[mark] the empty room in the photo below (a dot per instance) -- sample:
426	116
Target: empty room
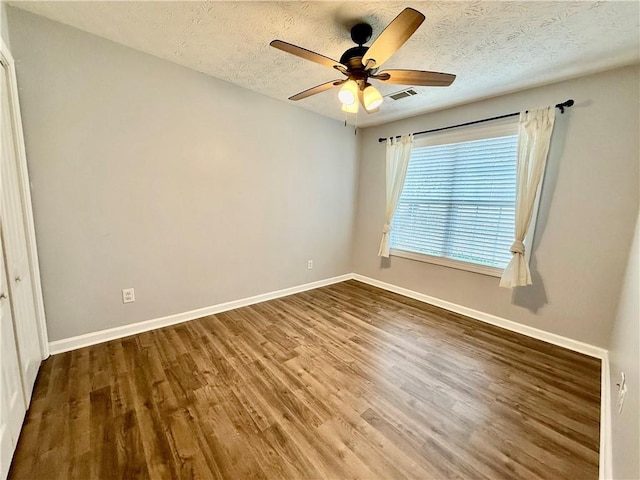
320	240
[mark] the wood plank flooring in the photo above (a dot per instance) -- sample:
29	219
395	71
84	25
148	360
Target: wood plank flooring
346	381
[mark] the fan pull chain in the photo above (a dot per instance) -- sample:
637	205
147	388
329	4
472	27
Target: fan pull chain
355	123
355	126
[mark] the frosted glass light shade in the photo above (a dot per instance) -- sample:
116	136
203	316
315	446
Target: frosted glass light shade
372	98
348	94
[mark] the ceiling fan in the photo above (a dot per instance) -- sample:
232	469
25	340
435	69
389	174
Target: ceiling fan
360	64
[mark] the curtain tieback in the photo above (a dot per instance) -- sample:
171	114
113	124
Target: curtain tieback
386	228
517	247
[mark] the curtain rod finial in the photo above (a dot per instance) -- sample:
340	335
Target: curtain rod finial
563	105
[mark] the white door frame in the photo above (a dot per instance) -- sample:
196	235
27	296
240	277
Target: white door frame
27	211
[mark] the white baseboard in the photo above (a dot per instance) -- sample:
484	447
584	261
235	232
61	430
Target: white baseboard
606	454
80	341
93	338
536	333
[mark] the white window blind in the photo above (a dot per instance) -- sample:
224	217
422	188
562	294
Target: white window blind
458	201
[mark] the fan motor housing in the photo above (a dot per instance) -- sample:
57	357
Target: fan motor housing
352	58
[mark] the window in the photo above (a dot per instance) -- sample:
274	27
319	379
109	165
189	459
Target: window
457	206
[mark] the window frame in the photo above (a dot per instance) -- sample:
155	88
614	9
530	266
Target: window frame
500	128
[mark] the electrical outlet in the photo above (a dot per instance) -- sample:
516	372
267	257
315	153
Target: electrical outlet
309	264
128	295
622	391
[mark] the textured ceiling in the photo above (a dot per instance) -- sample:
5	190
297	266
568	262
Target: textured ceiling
493	47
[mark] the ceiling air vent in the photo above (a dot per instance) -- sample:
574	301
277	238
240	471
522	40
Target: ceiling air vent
402	94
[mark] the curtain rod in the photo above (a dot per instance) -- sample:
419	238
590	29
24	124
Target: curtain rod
561	106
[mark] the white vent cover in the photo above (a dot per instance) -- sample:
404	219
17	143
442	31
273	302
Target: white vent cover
402	94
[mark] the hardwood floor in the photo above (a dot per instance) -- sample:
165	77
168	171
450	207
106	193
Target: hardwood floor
346	381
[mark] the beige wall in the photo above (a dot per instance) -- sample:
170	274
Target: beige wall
624	355
586	218
189	189
4	26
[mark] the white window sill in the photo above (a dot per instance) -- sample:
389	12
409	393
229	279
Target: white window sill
447	262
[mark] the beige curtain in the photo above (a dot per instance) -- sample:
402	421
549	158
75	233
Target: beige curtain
534	132
398	155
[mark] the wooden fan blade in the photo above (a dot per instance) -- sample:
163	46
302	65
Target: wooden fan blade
392	38
307	54
415	77
317	89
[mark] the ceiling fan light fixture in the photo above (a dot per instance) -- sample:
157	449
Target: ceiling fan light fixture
348	94
360	64
371	97
353	108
